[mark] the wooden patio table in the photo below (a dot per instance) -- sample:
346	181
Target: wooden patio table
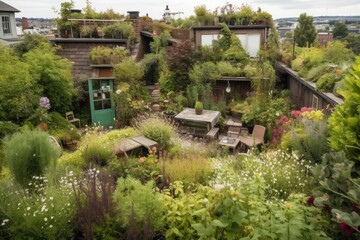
208	118
230	142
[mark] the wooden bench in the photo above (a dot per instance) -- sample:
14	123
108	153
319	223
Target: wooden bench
213	133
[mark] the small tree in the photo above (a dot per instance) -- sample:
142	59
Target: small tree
340	30
179	59
305	32
236	53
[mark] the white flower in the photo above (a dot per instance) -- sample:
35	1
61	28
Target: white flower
28	208
45	219
218	187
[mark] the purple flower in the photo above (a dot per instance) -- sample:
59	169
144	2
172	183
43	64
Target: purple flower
45	103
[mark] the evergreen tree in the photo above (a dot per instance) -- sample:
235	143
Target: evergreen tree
340	30
305	32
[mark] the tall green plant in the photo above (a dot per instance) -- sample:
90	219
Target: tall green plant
30	153
53	74
344	123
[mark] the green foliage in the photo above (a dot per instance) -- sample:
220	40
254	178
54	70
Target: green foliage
140	206
190	169
339	191
236	53
305	32
152	65
353	42
128	71
98	153
48	213
19	92
308	137
61	128
344	123
72	160
228	70
337	53
120	30
30	153
30	42
158	130
245	15
198	105
284	173
340	30
7	128
326	82
53	74
220	46
179	59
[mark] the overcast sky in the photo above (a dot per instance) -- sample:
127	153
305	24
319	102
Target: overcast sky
155	8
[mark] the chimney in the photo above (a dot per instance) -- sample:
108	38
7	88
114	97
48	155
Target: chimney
24	23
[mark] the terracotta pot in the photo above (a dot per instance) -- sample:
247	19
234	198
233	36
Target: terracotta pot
198	111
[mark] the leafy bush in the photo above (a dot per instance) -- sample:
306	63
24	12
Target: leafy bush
99	154
46	214
7	128
338	192
344	123
326	82
140	207
284	173
29	154
236	53
74	161
308	136
336	52
158	130
228	70
191	170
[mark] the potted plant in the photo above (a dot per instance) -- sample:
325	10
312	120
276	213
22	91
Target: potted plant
85	31
100	55
117	54
198	107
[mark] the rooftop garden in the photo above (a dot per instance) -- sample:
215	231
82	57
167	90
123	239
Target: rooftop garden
57	182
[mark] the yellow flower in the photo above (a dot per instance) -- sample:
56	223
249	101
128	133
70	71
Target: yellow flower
288	206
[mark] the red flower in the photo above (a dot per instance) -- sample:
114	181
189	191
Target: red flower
310	201
346	228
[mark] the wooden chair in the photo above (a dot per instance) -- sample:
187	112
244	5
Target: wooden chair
71	118
256	138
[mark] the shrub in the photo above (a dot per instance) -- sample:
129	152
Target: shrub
284	173
7	128
308	136
326	82
191	170
29	154
344	123
99	154
74	161
158	130
140	207
48	213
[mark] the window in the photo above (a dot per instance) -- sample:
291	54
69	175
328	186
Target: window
206	40
250	42
315	102
101	94
6	24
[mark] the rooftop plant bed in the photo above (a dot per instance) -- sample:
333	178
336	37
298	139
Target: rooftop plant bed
326	67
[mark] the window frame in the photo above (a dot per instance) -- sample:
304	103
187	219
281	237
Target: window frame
4	23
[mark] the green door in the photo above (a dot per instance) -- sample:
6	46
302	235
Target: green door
101	102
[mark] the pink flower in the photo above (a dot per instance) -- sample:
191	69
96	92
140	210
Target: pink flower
141	160
154	149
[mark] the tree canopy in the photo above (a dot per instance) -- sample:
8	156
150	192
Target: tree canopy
305	32
340	30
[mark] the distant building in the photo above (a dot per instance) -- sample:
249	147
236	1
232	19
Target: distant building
8	32
283	30
324	38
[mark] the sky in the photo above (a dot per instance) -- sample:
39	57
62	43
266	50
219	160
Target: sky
155	8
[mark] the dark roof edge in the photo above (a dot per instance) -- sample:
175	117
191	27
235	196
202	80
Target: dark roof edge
235	79
87	40
330	97
149	34
4	7
231	27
